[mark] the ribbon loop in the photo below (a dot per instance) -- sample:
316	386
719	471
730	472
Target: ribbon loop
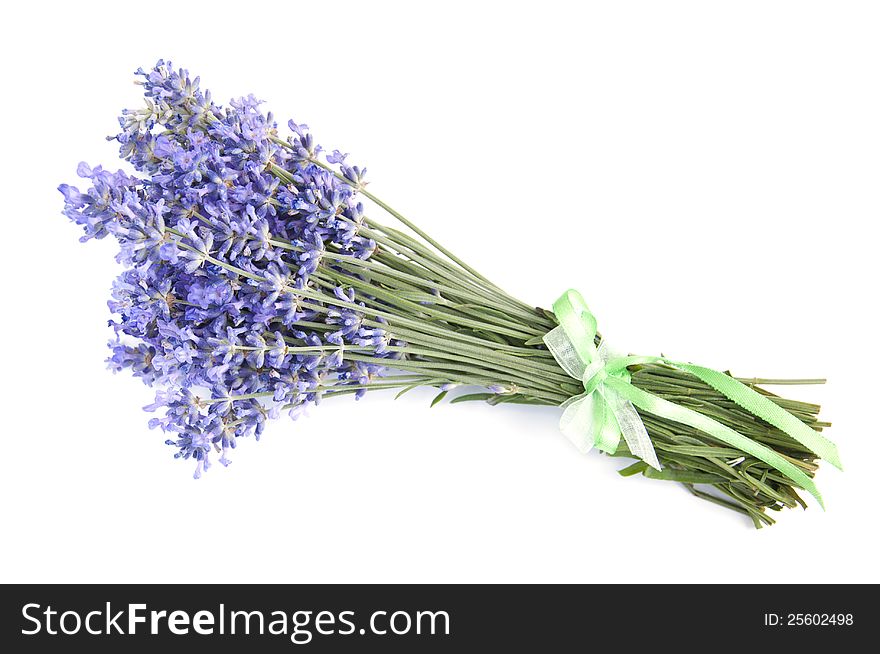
606	410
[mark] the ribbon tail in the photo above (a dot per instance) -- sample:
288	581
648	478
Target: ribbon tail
665	409
767	410
632	427
587	422
577	420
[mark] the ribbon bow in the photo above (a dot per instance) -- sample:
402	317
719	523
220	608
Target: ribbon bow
606	410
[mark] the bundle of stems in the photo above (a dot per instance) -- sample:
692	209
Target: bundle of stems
461	328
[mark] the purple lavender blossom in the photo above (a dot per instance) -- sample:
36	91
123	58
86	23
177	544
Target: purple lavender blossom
217	254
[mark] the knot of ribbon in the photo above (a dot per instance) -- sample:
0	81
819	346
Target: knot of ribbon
606	410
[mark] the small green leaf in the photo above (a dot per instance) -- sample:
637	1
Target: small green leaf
634	469
472	397
439	397
406	390
683	476
508	398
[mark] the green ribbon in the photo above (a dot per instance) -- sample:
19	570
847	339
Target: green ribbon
600	415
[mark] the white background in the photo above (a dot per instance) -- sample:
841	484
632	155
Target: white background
705	173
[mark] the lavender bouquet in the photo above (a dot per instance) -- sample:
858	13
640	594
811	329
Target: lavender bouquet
255	284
